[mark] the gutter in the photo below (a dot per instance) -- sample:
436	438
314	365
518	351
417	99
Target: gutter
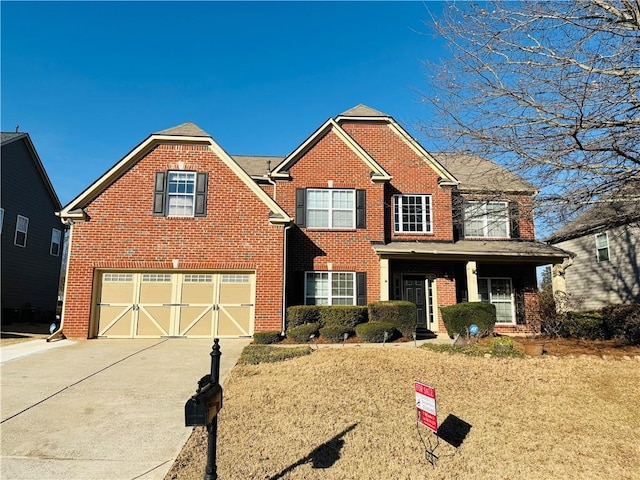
58	335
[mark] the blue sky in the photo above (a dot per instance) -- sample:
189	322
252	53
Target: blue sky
91	80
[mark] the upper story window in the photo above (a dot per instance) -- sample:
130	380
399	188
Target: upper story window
330	208
180	194
412	214
486	219
22	225
602	247
56	239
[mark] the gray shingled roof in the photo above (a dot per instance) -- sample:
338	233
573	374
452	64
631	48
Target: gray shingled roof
257	166
480	174
8	136
186	129
363	111
620	208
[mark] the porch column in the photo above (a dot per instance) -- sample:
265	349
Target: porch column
384	279
472	282
559	285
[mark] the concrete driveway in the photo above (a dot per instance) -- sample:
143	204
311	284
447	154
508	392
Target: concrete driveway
100	409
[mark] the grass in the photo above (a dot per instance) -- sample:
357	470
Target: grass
474	350
349	413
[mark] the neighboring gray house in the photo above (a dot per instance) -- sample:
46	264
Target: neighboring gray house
605	241
31	234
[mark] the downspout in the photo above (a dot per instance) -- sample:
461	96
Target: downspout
58	335
284	277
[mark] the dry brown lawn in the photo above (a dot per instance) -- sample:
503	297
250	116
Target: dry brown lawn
349	413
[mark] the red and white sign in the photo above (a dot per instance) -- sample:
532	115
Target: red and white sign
426	404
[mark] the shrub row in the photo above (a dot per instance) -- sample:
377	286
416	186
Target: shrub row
333	322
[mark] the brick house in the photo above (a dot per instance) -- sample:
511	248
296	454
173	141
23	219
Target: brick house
180	238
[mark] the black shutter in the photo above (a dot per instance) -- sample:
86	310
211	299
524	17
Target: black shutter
301	207
361	288
514	217
202	179
458	216
361	211
159	193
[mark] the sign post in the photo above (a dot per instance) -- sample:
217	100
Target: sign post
427	415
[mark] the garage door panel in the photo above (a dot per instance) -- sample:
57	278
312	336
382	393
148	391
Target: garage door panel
115	321
153	320
196	321
234	321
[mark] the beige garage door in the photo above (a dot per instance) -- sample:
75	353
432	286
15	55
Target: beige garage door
196	305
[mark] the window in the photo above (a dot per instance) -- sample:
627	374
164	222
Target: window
331	208
486	219
117	277
602	247
330	288
180	194
22	225
156	277
56	237
412	213
498	291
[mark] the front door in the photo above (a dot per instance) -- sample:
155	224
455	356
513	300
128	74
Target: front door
413	290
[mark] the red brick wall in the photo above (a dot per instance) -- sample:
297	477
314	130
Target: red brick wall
411	175
348	250
122	233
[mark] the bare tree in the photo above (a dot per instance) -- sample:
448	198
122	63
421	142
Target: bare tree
549	89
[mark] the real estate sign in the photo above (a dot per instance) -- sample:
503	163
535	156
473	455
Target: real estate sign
426	404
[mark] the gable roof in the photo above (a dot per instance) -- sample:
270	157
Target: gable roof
619	208
10	137
481	174
378	174
185	133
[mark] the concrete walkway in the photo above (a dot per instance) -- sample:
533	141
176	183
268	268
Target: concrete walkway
100	409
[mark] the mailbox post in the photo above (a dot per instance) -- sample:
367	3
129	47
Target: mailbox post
203	407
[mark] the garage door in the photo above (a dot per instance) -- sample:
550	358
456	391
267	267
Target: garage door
160	304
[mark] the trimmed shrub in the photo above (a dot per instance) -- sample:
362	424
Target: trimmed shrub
583	325
266	338
615	318
301	314
373	332
632	331
458	318
301	333
335	333
401	314
343	315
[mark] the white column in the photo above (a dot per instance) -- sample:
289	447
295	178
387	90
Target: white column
384	279
472	282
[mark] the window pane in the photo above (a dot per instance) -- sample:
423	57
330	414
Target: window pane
412	213
342	199
342	219
342	284
180	206
601	240
318	218
318	198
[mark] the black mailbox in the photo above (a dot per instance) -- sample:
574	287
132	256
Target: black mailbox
203	406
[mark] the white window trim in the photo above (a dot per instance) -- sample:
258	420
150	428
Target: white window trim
54	242
330	208
426	217
608	247
26	230
512	301
194	177
485	218
330	280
